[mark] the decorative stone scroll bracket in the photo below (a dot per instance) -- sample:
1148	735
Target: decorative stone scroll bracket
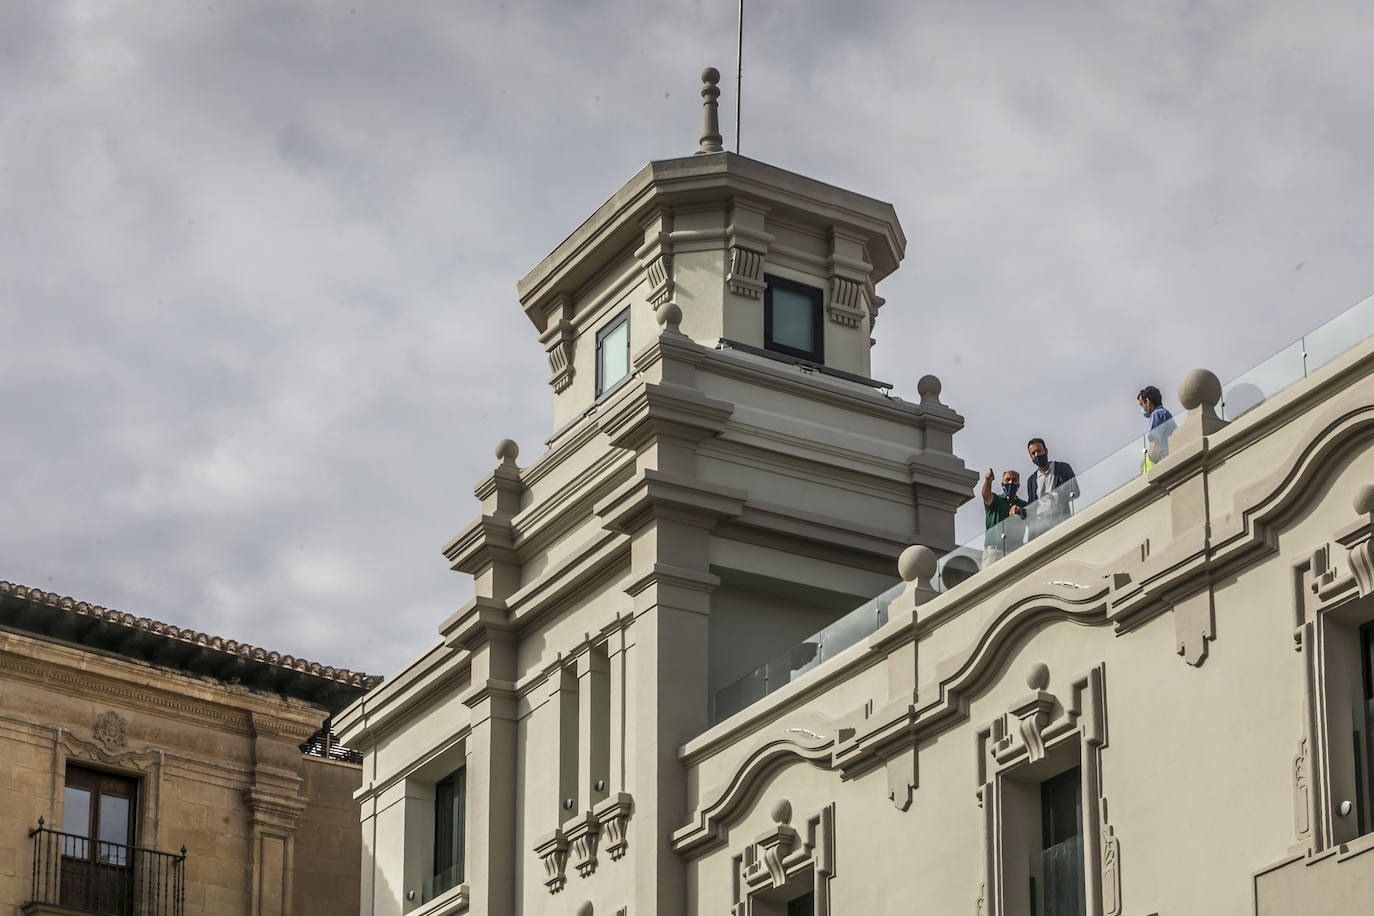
746	271
613	814
785	858
553	852
558	343
582	834
847	302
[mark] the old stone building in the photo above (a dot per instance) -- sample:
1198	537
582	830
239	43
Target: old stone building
155	771
692	680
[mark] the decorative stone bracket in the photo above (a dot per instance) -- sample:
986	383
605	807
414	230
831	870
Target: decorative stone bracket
582	833
784	857
553	852
602	828
847	302
558	343
746	271
613	814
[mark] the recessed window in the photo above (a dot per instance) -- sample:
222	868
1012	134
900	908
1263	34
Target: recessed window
97	840
450	810
792	319
1061	890
612	353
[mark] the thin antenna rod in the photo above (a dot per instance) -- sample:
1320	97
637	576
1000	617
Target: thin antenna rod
739	71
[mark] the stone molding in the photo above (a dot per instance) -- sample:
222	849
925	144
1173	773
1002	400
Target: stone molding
168	632
785	857
1025	735
614	816
146	765
1321	588
806	736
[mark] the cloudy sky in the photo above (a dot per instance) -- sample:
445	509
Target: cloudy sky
258	324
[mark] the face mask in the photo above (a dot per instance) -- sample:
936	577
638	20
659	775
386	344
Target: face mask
1041	461
1010	489
1144	411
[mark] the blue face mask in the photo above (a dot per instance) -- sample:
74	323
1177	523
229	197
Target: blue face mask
1010	489
1144	411
1041	461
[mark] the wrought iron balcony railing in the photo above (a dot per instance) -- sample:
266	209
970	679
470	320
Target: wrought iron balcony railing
91	875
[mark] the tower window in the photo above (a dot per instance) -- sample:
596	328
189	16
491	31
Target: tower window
792	319
613	353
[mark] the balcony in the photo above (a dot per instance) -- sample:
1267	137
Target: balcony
76	874
1271	377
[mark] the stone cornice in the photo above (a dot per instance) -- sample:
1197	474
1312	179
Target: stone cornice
433	673
126	684
35	611
789	379
657	494
486	541
720	178
664	410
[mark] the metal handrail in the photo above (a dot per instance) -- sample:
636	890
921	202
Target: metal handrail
96	876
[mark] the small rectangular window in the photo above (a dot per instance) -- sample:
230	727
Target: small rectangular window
450	811
612	353
792	319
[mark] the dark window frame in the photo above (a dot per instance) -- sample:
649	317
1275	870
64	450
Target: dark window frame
450	831
606	330
817	297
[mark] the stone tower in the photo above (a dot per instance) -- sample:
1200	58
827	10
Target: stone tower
724	479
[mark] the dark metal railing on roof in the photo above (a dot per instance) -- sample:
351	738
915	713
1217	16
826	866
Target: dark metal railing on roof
93	876
324	744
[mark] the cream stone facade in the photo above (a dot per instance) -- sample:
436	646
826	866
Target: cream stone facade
1169	682
154	770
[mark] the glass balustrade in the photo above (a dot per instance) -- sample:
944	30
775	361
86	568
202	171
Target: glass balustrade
1273	375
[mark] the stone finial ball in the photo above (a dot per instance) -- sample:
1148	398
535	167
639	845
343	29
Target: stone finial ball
710	75
917	562
1197	388
584	908
1364	500
507	450
1038	677
781	812
669	313
929	386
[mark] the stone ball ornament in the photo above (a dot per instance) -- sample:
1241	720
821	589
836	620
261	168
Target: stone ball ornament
929	386
917	562
1038	676
781	812
710	75
507	451
669	315
1199	387
1364	500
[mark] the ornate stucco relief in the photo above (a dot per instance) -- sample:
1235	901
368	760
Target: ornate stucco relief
787	859
1030	729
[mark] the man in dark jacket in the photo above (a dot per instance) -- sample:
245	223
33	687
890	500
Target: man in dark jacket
1051	489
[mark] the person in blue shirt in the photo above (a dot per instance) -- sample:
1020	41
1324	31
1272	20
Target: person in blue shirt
1162	426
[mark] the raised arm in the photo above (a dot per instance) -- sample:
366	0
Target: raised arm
987	488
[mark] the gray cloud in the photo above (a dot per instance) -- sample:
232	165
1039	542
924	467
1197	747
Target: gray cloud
258	330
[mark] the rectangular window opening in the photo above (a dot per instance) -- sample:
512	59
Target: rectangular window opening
450	812
613	353
1058	886
98	836
792	319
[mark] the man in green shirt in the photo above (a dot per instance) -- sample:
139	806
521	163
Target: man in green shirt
1005	516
